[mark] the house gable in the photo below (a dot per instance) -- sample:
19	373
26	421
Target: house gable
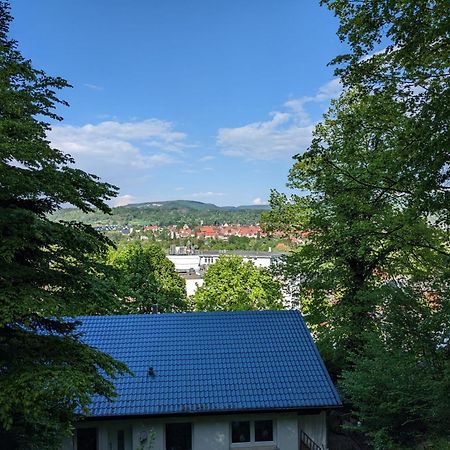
210	363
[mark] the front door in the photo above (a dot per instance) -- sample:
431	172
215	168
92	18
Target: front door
87	439
179	436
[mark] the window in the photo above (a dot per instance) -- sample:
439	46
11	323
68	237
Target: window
240	432
252	431
121	440
87	439
263	430
178	436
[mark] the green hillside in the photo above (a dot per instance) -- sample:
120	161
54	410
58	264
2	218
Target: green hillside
177	212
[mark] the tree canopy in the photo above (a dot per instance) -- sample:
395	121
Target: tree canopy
144	277
231	284
48	270
373	194
363	230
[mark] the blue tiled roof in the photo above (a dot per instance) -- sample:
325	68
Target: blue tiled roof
211	362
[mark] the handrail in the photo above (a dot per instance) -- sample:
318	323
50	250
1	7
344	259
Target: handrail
306	443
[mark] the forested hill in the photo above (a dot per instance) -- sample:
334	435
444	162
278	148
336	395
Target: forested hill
176	212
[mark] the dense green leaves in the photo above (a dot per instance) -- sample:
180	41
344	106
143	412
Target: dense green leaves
145	277
374	197
413	36
48	270
400	384
169	213
411	68
47	385
231	284
364	226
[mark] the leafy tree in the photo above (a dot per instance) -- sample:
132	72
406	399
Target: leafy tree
138	216
48	270
374	198
400	384
145	277
362	230
412	68
231	284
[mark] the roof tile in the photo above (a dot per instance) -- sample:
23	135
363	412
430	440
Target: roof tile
207	362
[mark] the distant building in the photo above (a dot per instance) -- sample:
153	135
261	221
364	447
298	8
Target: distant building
193	261
193	282
192	264
259	259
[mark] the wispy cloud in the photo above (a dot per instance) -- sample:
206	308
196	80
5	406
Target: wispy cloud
93	87
125	145
207	194
207	158
286	133
257	201
123	200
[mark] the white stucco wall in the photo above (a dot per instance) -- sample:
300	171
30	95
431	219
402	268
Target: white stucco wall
315	426
192	284
185	262
260	261
208	432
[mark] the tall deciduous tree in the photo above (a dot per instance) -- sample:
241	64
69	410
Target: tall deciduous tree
48	270
231	284
363	228
412	68
375	201
145	277
399	386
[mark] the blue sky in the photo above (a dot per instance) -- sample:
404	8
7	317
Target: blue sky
173	99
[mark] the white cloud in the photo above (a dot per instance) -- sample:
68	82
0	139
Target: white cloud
207	194
329	90
123	200
111	146
206	158
286	133
93	87
257	201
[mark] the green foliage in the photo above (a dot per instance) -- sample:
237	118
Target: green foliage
413	70
374	196
145	277
48	270
234	285
148	443
416	33
364	229
400	384
170	213
243	243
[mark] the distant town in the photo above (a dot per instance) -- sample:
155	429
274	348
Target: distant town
216	232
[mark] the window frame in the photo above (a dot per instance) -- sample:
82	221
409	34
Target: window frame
81	429
253	442
190	423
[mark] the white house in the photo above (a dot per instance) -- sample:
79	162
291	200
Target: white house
259	259
199	261
185	263
193	282
193	265
249	380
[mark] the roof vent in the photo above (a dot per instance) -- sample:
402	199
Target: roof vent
151	372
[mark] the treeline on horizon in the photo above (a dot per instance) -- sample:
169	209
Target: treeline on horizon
140	216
